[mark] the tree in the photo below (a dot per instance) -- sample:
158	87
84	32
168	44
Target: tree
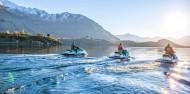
15	33
3	37
8	32
22	32
10	38
48	35
40	35
21	38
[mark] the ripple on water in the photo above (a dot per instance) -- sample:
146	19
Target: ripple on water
54	73
134	67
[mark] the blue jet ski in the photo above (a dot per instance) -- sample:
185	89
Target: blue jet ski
120	55
170	59
76	52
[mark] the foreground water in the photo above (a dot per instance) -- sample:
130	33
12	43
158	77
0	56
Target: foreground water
46	71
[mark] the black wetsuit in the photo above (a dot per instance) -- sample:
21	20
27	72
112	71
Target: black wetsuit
75	48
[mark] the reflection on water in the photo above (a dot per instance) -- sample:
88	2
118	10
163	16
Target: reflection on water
41	69
26	49
35	49
93	51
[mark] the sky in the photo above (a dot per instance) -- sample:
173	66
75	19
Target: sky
145	18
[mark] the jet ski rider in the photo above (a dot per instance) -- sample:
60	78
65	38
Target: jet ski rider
120	48
169	50
73	47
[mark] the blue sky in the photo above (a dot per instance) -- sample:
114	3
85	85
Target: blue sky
148	18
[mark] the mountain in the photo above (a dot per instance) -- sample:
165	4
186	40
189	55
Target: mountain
64	25
135	38
184	40
1	4
86	41
159	43
130	37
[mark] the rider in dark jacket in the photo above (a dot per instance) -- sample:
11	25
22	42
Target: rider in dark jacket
73	47
169	50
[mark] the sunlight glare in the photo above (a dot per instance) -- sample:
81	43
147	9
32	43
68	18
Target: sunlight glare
163	91
178	76
176	24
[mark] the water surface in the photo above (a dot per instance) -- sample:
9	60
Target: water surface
44	70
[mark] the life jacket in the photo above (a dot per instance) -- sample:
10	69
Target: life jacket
120	47
73	47
168	49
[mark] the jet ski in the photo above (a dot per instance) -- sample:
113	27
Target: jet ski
77	52
170	59
120	55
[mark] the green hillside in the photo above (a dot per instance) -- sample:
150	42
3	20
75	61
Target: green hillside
20	38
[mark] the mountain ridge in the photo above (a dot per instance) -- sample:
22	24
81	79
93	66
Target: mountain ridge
159	43
64	25
182	41
43	14
91	41
136	38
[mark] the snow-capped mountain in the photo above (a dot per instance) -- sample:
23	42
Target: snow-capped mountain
1	3
63	25
33	11
13	7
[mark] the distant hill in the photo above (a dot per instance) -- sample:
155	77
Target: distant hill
131	37
87	41
183	41
64	25
160	43
98	42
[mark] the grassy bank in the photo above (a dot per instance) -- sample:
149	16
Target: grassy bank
27	39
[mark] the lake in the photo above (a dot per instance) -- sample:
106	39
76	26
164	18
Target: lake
40	69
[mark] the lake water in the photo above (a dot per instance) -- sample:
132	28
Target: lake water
43	70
